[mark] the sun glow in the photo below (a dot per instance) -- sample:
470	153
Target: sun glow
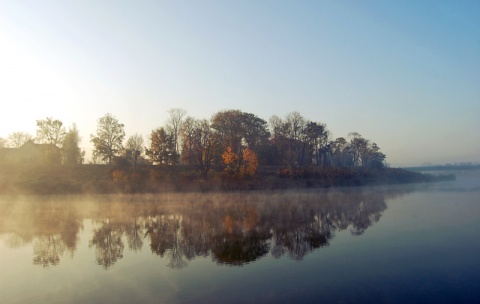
30	86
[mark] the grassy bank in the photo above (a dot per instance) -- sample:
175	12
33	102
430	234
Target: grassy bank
154	179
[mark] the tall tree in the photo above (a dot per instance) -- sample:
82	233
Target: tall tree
135	145
229	126
315	137
109	138
174	124
72	154
50	131
17	139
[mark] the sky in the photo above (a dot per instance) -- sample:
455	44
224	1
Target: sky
404	74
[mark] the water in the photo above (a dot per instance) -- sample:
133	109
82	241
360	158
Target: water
394	244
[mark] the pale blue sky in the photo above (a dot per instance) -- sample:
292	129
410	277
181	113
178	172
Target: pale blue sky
405	74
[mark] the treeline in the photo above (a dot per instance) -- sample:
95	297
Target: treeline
238	140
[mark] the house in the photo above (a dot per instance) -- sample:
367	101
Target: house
129	155
32	153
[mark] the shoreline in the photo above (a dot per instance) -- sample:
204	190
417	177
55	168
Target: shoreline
103	179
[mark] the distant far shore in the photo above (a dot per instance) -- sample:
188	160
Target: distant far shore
98	179
443	168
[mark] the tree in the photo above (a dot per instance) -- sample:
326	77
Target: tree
341	156
255	131
50	131
135	145
295	124
71	151
249	164
201	145
162	148
187	132
376	159
17	139
174	125
109	137
3	143
229	126
245	166
231	161
315	138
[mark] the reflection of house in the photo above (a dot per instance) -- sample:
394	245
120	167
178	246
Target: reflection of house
31	152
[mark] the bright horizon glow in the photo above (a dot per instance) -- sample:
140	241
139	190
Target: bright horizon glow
405	75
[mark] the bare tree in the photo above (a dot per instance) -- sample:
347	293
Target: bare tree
174	124
187	132
135	145
17	139
50	131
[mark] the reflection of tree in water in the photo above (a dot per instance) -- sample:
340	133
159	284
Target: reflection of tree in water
298	235
232	228
108	244
240	229
239	249
166	239
52	226
134	236
47	250
310	224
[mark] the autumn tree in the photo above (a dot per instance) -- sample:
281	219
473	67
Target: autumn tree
50	131
72	155
17	139
109	137
231	161
249	163
162	148
243	166
135	146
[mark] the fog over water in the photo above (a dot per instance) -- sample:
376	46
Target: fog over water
383	244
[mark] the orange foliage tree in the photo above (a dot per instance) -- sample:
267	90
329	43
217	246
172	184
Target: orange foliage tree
249	164
231	161
242	167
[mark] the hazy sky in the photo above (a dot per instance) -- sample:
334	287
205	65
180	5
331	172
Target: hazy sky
404	74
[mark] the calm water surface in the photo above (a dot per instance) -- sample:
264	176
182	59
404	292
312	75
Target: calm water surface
395	244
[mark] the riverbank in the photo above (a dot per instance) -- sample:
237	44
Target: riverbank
90	179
